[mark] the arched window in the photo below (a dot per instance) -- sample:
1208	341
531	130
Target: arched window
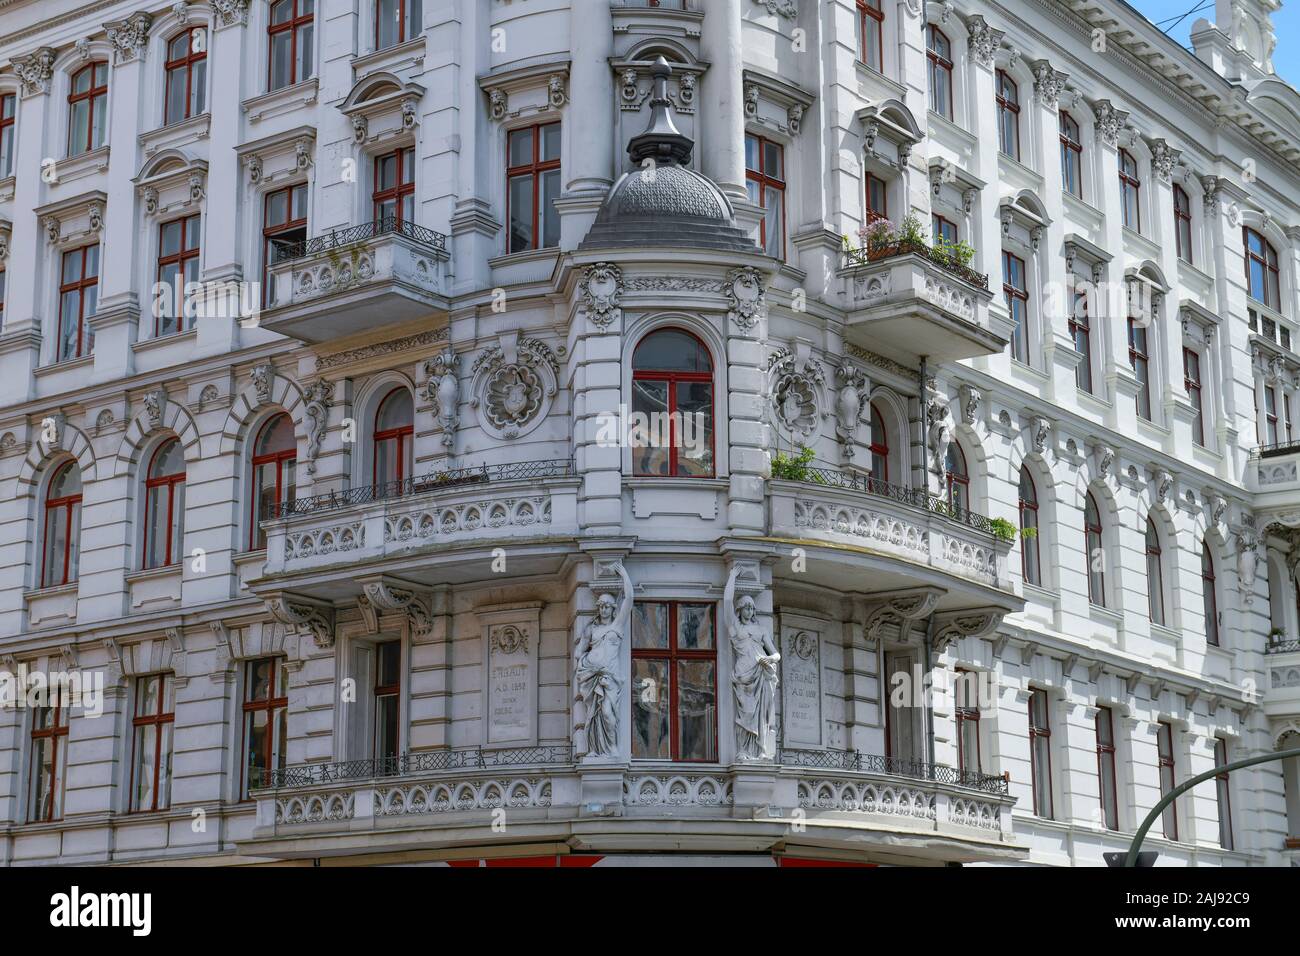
8	117
396	21
187	75
1008	96
1029	564
62	526
672	399
274	456
290	37
1071	155
88	108
958	479
871	29
164	517
1129	188
1209	599
1183	223
394	430
939	53
879	446
1155	575
1092	551
1262	276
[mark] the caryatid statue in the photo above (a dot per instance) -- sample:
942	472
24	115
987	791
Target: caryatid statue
753	675
598	669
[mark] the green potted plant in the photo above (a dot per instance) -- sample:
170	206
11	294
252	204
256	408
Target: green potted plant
792	467
1002	529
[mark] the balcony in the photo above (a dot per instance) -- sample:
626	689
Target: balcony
356	280
838	799
416	519
1282	661
862	515
906	300
1273	473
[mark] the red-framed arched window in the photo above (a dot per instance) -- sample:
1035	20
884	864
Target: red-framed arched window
290	41
1155	575
938	52
1093	554
1030	568
958	478
1263	280
275	453
62	526
871	28
672	398
1008	99
396	21
187	75
1209	595
394	433
1071	155
88	108
394	193
1183	223
164	505
879	447
1130	189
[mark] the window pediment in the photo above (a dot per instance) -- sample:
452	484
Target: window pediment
171	181
74	221
279	157
381	106
527	91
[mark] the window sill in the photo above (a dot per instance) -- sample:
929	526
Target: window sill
83	164
1101	614
51	591
162	341
85	361
1144	245
867	75
1086	213
1022	176
7	187
184	131
279	101
1200	280
528	255
400	56
145	574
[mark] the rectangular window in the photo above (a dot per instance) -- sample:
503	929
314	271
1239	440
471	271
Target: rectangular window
266	728
284	230
178	264
942	231
1270	416
1138	359
877	198
674	681
151	743
187	76
396	21
532	186
1040	753
1008	101
1224	795
965	692
388	693
939	57
765	183
1071	155
1081	332
1130	191
871	28
78	296
87	108
8	116
1106	768
1168	780
393	198
49	761
1192	382
290	37
2	298
1183	224
1016	293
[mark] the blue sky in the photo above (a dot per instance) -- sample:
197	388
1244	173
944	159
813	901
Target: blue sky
1286	24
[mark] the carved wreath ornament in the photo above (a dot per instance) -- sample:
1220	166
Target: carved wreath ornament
514	383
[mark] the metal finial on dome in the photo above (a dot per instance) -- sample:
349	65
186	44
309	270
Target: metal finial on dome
662	141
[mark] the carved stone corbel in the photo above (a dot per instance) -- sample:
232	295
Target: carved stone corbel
974	622
901	609
385	595
304	616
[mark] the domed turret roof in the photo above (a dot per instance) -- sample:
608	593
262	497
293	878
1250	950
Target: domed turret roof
662	202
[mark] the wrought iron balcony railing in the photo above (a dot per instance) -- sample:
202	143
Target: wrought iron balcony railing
912	497
1281	646
510	471
874	763
426	761
950	264
340	238
1276	450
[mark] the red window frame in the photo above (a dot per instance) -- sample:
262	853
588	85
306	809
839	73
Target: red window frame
1106	759
271	230
159	720
281	460
397	436
1183	224
402	25
1036	734
1017	294
942	228
872	9
872	212
765	181
672	654
71	504
400	189
296	22
1209	595
1140	361
958	483
1223	791
966	714
160	485
1270	416
1168	776
1268	263
1071	153
91	93
185	63
179	258
1029	506
1155	575
940	70
276	699
84	341
1130	184
8	132
535	168
1008	106
1092	538
1081	332
1192	383
54	733
879	447
381	693
671	378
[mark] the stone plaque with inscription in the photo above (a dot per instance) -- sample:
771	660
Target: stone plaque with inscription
801	684
512	685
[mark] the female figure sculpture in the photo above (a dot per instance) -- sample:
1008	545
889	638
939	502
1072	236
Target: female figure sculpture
753	678
599	661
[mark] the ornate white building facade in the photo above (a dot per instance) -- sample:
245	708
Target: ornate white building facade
369	570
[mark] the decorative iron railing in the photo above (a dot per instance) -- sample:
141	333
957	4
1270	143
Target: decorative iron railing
877	253
1281	646
476	474
1276	450
912	497
426	761
339	238
853	760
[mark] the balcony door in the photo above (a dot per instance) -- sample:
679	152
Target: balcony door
904	715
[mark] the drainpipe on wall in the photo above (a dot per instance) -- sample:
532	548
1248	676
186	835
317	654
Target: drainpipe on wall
929	707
